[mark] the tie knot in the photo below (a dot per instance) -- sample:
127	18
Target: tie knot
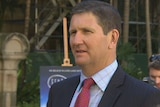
88	83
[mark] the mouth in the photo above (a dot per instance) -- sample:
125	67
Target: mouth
80	52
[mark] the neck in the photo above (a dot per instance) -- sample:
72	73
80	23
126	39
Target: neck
90	70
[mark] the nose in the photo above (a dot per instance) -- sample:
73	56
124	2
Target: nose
157	80
77	39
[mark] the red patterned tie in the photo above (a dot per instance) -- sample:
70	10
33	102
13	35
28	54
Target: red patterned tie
84	97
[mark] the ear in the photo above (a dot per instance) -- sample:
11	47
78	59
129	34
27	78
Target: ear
114	38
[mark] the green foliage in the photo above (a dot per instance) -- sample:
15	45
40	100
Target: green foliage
126	59
29	105
125	52
28	92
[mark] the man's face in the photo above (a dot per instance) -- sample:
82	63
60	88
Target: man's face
90	46
155	76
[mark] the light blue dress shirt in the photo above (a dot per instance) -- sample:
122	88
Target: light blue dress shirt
101	79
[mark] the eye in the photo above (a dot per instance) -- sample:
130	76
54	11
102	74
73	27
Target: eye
72	33
86	31
153	77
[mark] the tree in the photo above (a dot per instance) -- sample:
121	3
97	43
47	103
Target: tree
126	21
27	17
126	26
148	32
158	10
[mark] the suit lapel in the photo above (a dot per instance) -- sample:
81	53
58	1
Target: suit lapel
114	89
69	91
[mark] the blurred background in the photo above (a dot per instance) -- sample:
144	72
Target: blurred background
41	21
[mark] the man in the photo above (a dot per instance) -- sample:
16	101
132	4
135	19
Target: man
154	70
95	29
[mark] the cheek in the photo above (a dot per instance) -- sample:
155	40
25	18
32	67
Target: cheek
70	41
105	44
100	47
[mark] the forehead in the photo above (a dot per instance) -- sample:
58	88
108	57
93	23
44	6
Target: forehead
83	19
83	16
155	72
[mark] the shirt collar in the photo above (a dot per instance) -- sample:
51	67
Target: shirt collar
103	77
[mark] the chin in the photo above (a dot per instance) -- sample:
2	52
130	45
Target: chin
80	63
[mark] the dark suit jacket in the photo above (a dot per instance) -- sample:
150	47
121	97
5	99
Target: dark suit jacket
122	91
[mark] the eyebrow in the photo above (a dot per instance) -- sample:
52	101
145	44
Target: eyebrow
83	29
